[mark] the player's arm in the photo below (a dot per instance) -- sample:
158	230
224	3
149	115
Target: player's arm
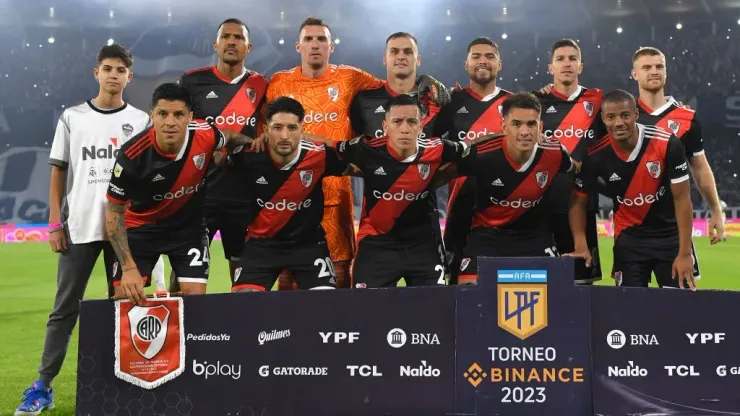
336	166
567	164
704	177
59	160
455	151
577	212
426	85
355	116
678	173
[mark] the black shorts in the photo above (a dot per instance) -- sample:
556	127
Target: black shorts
190	259
232	221
459	217
382	262
560	226
261	264
489	242
637	258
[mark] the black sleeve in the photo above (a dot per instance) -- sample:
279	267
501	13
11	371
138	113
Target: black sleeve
693	141
350	151
586	178
675	159
335	166
356	117
454	151
566	164
466	165
122	179
442	124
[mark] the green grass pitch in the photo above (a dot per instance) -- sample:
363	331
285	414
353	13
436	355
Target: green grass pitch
28	284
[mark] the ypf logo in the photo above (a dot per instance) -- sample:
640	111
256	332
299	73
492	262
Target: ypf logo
148	326
475	375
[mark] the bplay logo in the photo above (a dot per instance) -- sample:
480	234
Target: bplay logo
265	336
208	337
210	370
617	339
397	338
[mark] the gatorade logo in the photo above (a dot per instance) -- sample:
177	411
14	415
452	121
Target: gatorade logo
517	203
284	205
641	199
400	196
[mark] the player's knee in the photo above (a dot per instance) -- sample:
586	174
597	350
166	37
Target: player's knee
341	269
246	289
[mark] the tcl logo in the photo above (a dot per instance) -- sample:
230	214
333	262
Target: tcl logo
180	192
569	133
641	199
284	205
232	119
312	117
706	337
364	371
339	337
400	196
471	134
517	203
681	371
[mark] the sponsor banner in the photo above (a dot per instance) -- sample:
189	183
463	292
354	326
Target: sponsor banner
664	350
605	228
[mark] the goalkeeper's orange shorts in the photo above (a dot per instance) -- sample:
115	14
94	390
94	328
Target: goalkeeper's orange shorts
338	221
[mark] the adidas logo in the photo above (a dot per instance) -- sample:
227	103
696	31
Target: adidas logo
380	171
380	109
462	110
211	95
262	180
551	110
497	182
614	177
158	178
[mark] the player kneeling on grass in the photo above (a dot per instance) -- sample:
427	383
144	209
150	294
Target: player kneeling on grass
646	173
156	195
288	197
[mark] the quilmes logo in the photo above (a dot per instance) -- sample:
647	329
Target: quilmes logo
522	301
265	336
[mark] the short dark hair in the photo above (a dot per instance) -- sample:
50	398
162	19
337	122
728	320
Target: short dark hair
115	51
234	21
620	96
313	21
401	100
285	105
563	43
646	51
402	35
525	100
483	40
171	91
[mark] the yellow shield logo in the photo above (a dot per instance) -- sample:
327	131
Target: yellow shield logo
522	302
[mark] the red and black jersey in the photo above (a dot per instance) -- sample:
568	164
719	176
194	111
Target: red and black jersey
510	196
231	105
164	191
288	201
679	120
367	112
398	198
469	115
639	182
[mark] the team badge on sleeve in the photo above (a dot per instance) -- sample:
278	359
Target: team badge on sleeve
653	168
589	107
117	170
541	178
424	170
199	160
306	177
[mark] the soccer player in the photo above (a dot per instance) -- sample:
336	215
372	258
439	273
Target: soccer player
649	70
646	172
228	95
570	115
512	174
86	141
286	181
156	198
396	232
474	111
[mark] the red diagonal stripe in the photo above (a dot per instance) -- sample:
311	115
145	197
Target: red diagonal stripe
579	119
240	103
490	120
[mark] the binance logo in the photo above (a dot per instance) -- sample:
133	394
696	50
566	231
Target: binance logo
475	374
522	301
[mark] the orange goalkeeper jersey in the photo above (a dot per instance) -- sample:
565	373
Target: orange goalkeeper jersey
327	100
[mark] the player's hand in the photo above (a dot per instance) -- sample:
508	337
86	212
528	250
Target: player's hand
683	270
456	88
437	92
132	285
546	89
581	253
716	228
58	241
260	144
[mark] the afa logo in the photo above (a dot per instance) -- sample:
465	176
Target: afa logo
522	301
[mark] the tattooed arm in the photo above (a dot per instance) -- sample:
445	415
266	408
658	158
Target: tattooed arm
131	284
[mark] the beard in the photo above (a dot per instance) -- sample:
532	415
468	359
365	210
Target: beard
482	79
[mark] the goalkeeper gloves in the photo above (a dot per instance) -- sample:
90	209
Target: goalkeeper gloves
426	86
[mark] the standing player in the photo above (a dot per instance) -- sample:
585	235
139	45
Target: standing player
229	96
474	111
85	143
512	175
396	232
646	173
286	181
570	115
156	198
649	70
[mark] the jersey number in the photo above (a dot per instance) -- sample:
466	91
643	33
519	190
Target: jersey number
439	268
551	251
196	261
327	267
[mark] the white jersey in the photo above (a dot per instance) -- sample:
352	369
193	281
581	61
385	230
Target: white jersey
86	142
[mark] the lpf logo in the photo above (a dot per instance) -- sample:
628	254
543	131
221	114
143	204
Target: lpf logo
522	301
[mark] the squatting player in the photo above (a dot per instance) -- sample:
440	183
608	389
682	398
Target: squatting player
474	111
397	230
228	95
649	70
512	174
286	182
156	198
570	115
647	175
